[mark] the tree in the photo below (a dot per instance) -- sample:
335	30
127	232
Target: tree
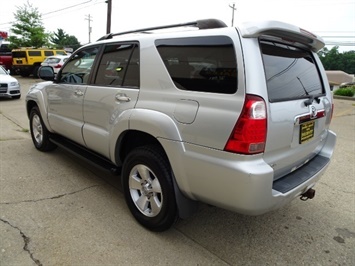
28	30
334	60
63	40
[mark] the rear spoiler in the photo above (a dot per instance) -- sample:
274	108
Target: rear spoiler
285	31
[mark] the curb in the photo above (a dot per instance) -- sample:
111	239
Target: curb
343	98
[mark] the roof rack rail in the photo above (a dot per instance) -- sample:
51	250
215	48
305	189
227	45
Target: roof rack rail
201	24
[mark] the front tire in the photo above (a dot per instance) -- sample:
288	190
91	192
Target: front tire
39	132
148	188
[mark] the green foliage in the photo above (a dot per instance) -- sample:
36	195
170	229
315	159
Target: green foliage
333	60
348	91
28	30
63	40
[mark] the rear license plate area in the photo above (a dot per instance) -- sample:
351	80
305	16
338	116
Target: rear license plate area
306	131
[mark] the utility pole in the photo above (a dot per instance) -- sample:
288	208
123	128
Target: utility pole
233	9
109	10
89	19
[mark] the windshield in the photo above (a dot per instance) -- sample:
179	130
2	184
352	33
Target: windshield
2	71
291	73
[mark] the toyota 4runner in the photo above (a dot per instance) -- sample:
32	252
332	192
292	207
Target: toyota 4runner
198	112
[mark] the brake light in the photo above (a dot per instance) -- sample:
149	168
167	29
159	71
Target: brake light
58	66
249	133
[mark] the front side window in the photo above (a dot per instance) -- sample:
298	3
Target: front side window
79	68
205	64
119	66
291	73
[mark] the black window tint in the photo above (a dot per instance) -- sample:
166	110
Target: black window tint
19	54
119	66
34	53
290	72
48	53
78	69
206	64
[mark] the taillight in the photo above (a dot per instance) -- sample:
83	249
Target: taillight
249	133
58	66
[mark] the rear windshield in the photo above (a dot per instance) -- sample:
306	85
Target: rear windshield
204	64
19	54
52	60
291	73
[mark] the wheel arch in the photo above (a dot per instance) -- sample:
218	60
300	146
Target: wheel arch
131	139
38	101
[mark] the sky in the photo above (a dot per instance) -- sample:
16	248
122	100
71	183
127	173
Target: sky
334	20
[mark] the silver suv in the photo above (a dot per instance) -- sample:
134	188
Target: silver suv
233	117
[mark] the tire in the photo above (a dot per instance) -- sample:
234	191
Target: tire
148	188
35	72
39	132
24	74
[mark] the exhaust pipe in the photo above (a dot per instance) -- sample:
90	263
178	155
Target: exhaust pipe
309	194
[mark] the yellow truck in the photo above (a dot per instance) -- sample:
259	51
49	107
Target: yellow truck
26	61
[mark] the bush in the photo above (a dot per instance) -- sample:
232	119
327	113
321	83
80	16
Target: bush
349	91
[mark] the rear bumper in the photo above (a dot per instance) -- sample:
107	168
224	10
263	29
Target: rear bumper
244	184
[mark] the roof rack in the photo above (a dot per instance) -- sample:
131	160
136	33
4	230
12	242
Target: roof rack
201	24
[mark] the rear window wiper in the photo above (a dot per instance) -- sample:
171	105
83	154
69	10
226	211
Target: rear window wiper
310	100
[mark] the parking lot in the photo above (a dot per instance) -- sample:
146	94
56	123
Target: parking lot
56	210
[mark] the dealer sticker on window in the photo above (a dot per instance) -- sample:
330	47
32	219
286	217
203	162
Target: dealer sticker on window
306	131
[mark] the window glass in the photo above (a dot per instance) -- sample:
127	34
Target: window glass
79	68
48	53
51	60
18	54
205	64
34	53
119	66
290	72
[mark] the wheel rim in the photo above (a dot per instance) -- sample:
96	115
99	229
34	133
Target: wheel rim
145	191
37	129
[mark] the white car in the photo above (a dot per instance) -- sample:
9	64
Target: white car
9	86
56	62
234	117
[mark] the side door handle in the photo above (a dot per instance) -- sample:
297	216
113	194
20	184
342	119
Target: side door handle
121	97
78	93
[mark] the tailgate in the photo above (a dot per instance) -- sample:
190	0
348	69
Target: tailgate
299	106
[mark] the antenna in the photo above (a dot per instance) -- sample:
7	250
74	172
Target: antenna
233	9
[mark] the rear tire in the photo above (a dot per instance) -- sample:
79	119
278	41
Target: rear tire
35	72
148	188
39	132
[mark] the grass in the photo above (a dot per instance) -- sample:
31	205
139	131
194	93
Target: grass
348	91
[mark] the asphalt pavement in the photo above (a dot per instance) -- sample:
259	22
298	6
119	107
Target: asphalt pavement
56	210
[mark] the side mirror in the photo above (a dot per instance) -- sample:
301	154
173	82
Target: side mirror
46	73
8	71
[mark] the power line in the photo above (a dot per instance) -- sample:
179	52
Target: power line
58	10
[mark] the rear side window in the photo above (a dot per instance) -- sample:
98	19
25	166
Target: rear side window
205	64
34	53
119	66
48	53
291	73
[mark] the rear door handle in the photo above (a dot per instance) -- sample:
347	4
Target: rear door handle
122	98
